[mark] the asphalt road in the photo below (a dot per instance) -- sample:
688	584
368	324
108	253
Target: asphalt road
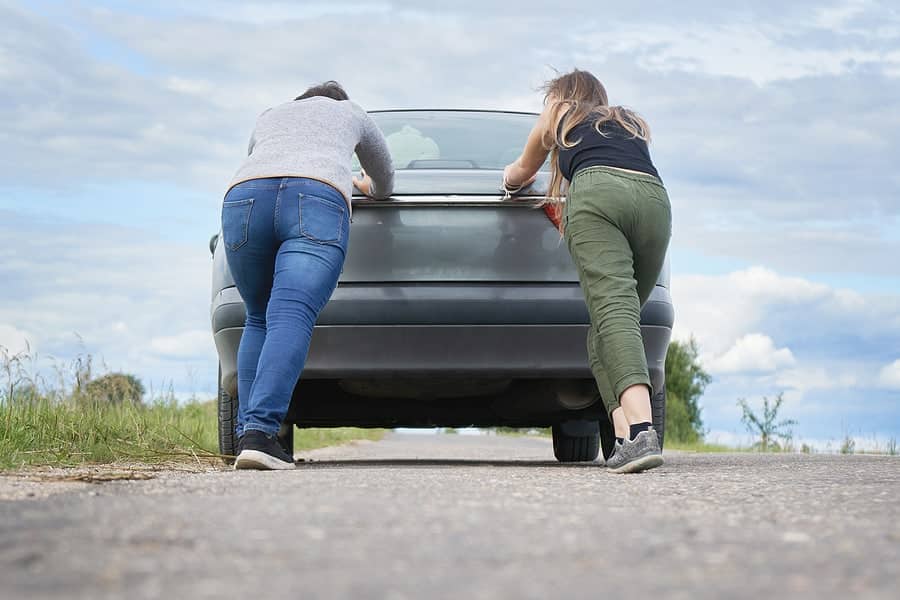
464	517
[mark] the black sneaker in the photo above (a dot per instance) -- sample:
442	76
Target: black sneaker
262	452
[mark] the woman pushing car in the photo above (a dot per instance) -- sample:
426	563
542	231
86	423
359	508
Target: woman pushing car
617	222
286	226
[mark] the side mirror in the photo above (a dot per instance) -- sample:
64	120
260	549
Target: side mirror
213	241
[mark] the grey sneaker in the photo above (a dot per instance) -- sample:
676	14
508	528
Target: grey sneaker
636	455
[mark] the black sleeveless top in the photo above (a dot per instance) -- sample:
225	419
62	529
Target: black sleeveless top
615	148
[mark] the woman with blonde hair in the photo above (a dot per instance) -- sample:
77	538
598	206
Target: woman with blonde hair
617	223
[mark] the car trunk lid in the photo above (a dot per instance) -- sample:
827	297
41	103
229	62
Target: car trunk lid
454	226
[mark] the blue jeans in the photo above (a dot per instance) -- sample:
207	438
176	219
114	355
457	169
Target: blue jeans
285	240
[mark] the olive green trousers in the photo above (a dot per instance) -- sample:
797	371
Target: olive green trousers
617	227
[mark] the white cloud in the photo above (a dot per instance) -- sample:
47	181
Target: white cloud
830	346
188	117
259	13
889	376
721	309
188	344
760	168
184	116
760	283
135	302
752	353
762	333
840	15
741	51
14	340
729	438
804	379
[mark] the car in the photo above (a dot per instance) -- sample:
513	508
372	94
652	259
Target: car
458	306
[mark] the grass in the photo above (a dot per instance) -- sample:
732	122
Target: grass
670	444
700	447
309	439
519	431
49	432
78	420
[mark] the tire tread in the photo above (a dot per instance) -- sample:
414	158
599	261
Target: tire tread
658	407
569	448
227	418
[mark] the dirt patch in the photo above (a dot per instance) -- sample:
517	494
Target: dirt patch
42	482
99	477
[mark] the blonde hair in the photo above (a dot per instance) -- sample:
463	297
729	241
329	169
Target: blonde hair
571	99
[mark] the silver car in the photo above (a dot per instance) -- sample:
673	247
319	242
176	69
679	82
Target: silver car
457	307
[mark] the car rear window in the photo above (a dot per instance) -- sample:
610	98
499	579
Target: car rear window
446	139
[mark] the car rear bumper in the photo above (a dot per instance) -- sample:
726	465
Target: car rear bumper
484	331
450	304
342	351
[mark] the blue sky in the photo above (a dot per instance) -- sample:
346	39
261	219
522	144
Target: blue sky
776	129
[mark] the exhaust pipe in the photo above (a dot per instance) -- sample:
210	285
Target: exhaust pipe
576	394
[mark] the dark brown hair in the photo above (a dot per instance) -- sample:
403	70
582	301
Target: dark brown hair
330	89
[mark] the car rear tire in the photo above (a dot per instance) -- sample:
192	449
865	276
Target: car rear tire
607	436
286	437
570	447
227	417
658	406
227	413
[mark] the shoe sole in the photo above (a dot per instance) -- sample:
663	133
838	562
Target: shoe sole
644	463
260	461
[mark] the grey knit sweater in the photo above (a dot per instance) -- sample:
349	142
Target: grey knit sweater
316	138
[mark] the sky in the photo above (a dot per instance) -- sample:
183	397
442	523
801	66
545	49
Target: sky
775	125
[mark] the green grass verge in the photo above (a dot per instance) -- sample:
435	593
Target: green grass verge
670	444
701	447
45	432
67	433
309	439
517	431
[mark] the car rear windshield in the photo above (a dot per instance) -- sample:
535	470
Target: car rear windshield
448	139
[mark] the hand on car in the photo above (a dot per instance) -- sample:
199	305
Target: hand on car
363	183
513	178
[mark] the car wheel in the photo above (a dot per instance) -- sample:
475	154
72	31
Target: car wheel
227	413
286	437
658	406
607	436
576	441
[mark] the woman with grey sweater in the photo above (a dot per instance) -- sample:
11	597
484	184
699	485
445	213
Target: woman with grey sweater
285	226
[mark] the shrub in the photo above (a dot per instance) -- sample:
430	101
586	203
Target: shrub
767	426
685	382
848	446
116	388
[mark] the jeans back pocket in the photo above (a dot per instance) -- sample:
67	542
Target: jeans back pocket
236	222
321	220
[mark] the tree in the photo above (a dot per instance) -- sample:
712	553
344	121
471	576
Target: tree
685	382
767	426
678	421
116	388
